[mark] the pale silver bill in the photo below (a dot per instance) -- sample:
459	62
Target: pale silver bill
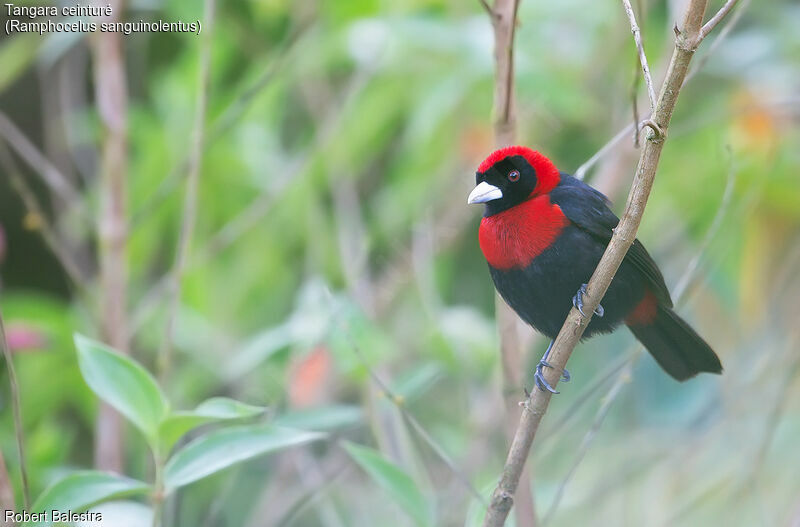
484	192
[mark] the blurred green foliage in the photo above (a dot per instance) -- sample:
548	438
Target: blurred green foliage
333	246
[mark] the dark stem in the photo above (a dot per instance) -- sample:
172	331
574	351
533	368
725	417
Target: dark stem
17	411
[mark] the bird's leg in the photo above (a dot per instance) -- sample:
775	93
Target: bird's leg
538	377
577	301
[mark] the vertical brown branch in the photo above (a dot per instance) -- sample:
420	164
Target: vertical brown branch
687	40
504	20
111	97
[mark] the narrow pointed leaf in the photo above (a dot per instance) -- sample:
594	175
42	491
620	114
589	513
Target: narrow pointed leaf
322	419
220	449
212	410
393	480
225	408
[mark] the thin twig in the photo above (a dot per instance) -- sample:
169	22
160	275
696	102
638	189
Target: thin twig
45	228
716	223
635	106
320	489
260	206
190	199
723	34
752	481
418	428
16	408
237	108
709	26
223	123
624	235
637	38
448	222
488	9
580	173
623	378
58	182
586	395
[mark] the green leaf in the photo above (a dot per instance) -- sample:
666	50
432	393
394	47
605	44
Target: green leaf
220	449
257	350
176	425
16	55
123	384
415	383
394	480
226	408
321	419
80	491
214	409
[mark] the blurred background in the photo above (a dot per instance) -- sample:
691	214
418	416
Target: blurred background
333	272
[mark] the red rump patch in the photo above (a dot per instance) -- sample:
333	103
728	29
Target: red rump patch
513	238
645	311
547	176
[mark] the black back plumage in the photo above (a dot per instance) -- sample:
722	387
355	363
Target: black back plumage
589	210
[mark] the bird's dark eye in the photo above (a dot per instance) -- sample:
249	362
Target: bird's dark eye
513	175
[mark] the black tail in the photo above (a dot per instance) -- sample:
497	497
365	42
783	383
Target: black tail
675	346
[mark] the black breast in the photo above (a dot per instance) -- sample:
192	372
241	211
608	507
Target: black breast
541	293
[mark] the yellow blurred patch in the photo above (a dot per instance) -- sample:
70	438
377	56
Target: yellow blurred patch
755	125
765	236
32	221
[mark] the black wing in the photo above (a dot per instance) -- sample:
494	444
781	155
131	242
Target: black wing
589	210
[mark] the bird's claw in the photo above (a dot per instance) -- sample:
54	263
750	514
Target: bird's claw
542	383
577	301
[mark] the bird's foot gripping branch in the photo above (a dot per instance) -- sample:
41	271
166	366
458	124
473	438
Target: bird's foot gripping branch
577	301
538	376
